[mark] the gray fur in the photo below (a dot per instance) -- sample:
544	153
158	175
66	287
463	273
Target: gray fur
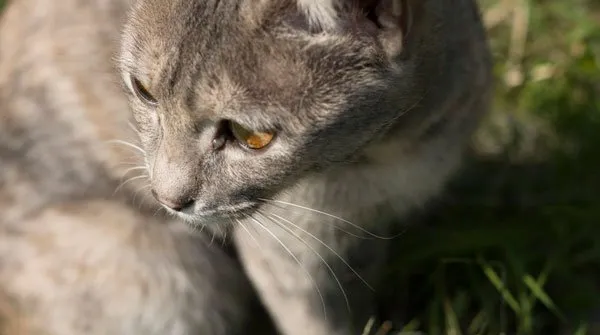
371	122
74	257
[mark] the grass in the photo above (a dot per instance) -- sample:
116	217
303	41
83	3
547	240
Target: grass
514	247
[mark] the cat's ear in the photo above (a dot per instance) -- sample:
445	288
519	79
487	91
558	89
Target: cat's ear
389	20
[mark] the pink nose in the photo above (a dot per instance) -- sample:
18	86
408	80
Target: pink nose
176	205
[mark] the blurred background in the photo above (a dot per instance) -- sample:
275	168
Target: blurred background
514	247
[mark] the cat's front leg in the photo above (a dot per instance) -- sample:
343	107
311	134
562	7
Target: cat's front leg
314	276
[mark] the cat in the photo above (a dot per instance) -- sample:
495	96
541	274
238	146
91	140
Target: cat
306	132
296	121
76	257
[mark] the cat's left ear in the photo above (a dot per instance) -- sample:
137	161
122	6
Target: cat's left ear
390	21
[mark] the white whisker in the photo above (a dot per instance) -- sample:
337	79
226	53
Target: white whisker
126	163
202	225
297	261
127	144
135	194
326	246
158	210
335	277
128	181
331	216
196	227
134	161
248	231
335	226
224	236
135	168
132	127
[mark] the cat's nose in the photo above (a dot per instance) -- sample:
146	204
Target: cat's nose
175	204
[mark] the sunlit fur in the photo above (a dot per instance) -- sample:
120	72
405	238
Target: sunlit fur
372	108
83	248
320	13
370	120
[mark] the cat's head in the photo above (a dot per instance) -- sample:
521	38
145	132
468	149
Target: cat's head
237	100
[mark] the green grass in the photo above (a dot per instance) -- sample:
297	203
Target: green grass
514	247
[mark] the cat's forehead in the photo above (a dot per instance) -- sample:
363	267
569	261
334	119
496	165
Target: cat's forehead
170	23
168	39
243	52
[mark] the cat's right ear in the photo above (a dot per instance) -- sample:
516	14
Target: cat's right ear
389	21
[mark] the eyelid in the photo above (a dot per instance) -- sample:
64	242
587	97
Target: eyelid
252	128
129	81
250	122
140	90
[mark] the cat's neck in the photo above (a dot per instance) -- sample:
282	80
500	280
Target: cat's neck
393	178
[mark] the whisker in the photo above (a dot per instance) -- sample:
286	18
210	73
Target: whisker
332	216
335	277
328	248
224	236
335	226
134	161
135	194
128	181
248	231
135	168
127	144
297	261
195	227
158	210
201	228
407	110
214	234
132	127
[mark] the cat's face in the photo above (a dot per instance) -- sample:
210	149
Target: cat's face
237	100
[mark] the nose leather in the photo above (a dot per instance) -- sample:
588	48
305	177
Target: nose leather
175	181
176	205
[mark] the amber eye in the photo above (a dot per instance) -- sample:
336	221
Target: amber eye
251	139
142	93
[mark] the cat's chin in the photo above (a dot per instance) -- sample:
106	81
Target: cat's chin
202	221
224	215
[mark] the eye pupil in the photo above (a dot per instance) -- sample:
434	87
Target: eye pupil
251	139
142	92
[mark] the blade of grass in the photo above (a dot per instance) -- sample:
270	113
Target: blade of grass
538	291
452	324
493	277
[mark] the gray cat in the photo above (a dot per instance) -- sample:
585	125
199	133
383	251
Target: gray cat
302	131
305	129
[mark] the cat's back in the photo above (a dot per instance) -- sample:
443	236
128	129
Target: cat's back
74	257
60	102
457	64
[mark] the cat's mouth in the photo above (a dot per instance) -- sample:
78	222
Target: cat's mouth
203	214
